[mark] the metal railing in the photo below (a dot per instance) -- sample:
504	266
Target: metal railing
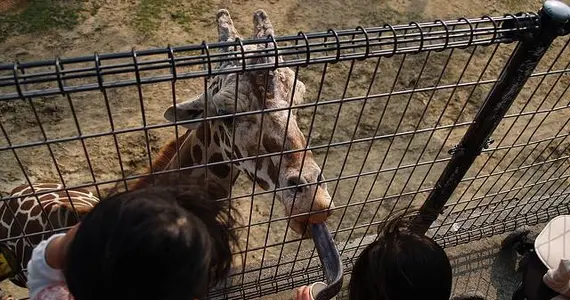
466	119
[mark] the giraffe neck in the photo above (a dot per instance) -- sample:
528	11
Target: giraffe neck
196	147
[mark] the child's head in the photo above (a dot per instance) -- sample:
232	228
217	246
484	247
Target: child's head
401	265
154	243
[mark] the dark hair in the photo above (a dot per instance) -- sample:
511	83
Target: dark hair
152	243
401	265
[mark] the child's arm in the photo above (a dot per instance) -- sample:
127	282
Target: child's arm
57	249
40	273
44	268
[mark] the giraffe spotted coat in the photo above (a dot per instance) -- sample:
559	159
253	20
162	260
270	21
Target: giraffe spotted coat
26	220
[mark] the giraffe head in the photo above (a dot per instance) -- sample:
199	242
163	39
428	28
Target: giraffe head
297	175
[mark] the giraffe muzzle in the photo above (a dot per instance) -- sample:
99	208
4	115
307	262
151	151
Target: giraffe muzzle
319	217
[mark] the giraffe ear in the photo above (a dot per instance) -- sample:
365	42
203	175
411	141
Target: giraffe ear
186	111
299	96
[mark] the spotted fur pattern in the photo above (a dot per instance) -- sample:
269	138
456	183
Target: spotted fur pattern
33	215
251	135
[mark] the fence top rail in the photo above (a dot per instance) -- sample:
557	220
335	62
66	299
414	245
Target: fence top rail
201	60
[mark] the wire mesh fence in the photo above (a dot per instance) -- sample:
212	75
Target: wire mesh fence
369	117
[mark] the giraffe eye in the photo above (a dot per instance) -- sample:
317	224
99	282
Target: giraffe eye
294	182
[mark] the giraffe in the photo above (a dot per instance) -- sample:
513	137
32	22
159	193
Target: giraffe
222	139
27	214
211	142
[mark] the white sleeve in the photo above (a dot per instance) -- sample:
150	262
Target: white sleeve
40	274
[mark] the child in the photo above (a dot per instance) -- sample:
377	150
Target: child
399	265
152	243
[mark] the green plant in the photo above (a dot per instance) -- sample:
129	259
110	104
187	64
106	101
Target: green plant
150	13
39	16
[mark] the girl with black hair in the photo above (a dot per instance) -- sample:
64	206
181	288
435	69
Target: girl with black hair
399	265
154	243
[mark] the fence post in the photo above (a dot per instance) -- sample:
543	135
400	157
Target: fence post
552	18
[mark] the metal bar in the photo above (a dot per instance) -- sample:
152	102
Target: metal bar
544	194
525	171
345	177
351	48
544	183
79	132
530	153
527	22
509	148
50	151
525	58
479	78
556	189
368	91
253	185
335	127
300	106
110	116
311	127
143	114
401	159
173	71
487	230
28	181
391	143
322	229
394	82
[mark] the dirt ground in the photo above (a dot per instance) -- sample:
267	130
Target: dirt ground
111	26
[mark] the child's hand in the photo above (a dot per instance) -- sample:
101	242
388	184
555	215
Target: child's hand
303	293
57	249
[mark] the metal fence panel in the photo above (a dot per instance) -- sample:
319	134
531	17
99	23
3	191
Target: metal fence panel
383	109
